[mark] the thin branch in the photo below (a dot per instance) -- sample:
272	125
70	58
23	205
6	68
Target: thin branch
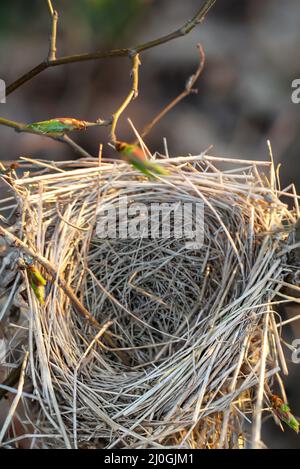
52	272
27	77
16	400
184	30
257	414
52	49
15	125
188	90
50	6
131	96
20	127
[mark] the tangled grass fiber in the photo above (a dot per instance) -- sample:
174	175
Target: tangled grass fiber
187	347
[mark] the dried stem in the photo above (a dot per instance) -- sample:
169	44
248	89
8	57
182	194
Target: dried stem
16	400
61	282
257	417
131	96
188	90
219	334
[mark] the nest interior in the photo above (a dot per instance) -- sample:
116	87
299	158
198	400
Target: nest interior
184	345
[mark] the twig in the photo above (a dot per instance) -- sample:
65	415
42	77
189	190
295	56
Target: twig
16	400
133	53
50	6
52	50
257	417
61	282
188	90
131	96
17	126
20	127
54	18
185	29
279	346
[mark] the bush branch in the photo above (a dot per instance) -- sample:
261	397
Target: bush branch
131	96
185	29
50	6
20	127
54	17
189	89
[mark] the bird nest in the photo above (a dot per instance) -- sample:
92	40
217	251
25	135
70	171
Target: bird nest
150	339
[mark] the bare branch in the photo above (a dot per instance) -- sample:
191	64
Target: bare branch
52	50
188	90
20	127
16	399
50	6
185	29
132	52
131	96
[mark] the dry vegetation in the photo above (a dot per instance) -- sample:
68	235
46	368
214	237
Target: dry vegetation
140	342
196	342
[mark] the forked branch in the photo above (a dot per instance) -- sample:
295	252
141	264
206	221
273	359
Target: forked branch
129	51
132	52
131	96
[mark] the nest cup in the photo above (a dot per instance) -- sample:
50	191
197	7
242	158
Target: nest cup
186	333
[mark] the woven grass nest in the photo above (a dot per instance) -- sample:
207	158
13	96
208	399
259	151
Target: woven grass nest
180	346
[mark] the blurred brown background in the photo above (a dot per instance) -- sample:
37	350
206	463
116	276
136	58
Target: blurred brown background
252	50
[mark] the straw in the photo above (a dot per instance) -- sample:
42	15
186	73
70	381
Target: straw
196	323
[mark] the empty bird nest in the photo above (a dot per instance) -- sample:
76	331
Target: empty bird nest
152	341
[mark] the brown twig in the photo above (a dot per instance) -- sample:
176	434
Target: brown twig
133	53
189	89
54	16
18	243
131	96
14	405
184	30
